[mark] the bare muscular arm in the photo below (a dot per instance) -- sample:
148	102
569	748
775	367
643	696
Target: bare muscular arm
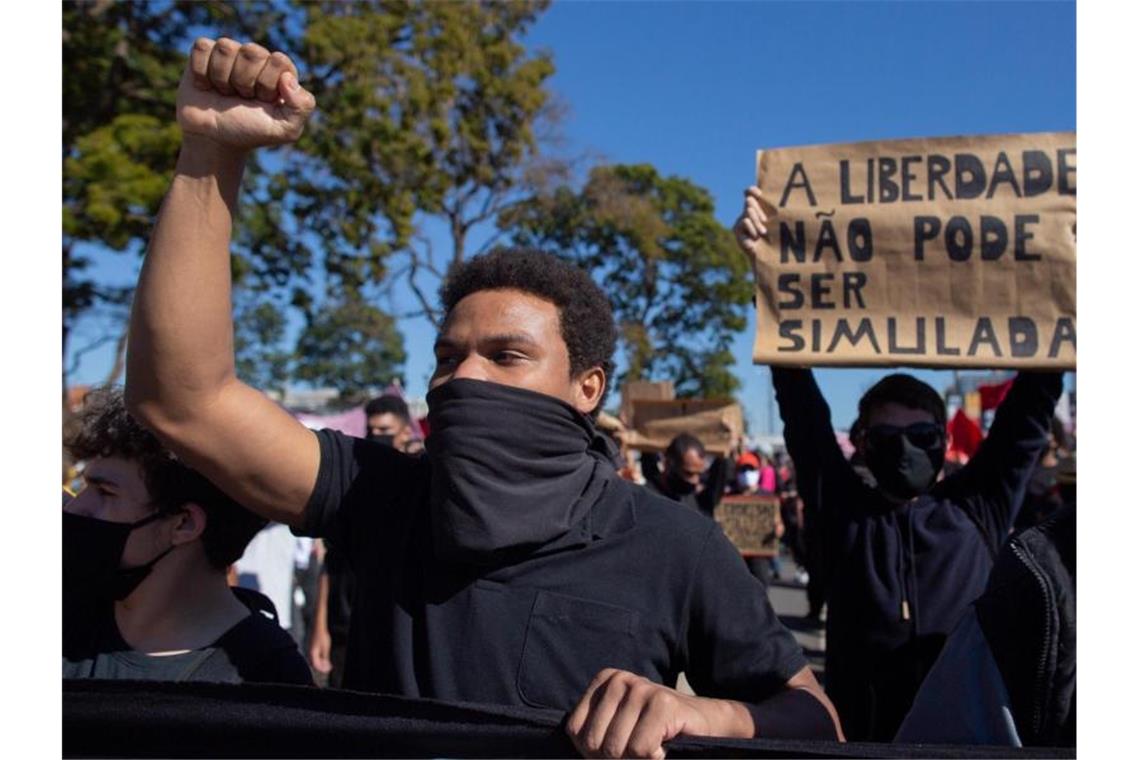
180	363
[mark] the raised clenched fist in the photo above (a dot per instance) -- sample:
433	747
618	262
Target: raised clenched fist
242	96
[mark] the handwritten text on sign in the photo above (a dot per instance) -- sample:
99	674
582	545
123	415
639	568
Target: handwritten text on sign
929	252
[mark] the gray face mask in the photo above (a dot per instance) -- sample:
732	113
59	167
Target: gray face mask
901	468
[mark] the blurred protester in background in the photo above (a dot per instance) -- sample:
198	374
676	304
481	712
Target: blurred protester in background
389	421
1042	492
748	480
687	477
307	562
768	480
146	545
792	515
268	565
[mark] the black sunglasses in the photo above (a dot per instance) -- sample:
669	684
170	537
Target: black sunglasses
924	435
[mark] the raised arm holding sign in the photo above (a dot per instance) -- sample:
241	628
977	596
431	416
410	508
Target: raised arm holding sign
916	549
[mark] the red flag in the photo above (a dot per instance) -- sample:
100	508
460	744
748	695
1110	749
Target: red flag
992	395
965	435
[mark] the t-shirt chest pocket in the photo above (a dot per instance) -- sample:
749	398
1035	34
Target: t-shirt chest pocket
568	641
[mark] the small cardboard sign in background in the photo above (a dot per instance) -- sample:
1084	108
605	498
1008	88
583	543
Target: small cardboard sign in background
939	252
750	523
717	424
637	390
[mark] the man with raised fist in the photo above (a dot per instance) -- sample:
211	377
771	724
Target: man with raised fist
510	565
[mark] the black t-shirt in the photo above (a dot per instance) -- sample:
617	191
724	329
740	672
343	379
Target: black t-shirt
342	587
640	585
256	649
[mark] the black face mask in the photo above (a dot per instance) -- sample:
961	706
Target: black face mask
511	469
678	485
387	439
903	470
93	553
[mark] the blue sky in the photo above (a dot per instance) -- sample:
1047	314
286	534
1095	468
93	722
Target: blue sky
696	88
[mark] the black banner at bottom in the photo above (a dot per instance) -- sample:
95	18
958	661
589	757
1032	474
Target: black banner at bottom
182	720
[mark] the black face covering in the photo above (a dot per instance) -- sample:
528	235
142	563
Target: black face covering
93	551
903	470
511	469
678	485
386	439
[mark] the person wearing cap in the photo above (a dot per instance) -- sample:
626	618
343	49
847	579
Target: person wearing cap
750	480
747	473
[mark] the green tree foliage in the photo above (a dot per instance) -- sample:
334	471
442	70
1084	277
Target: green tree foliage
680	289
426	110
352	346
122	62
261	357
117	96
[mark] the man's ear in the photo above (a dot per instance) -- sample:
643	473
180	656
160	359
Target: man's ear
190	525
589	387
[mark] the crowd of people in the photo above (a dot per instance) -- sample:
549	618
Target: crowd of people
503	558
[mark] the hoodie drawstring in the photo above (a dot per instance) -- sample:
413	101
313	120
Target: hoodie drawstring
900	568
913	565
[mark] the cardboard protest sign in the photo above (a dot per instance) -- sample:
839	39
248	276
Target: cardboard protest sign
636	390
750	523
939	252
717	424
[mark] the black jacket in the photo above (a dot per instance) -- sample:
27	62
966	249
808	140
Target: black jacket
1008	674
1029	617
902	576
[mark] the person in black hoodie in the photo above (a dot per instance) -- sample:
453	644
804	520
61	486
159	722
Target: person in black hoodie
910	552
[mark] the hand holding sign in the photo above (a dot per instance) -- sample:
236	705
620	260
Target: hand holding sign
940	252
752	224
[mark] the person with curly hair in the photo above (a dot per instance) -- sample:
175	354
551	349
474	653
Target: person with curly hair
146	545
511	564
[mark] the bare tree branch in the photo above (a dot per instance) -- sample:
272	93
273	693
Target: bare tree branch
79	353
413	314
427	262
432	314
120	359
491	241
